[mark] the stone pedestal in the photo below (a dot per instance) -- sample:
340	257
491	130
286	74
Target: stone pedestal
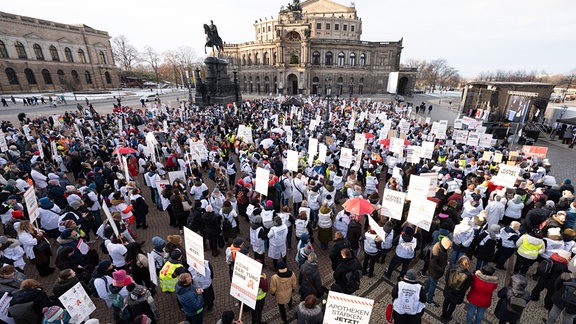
217	87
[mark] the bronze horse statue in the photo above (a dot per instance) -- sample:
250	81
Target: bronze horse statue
212	38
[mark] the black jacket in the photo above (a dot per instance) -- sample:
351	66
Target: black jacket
346	266
354	234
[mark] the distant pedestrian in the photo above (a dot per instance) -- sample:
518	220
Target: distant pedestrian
13	99
4	103
429	109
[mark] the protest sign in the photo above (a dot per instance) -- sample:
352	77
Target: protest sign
359	141
106	211
246	279
427	150
262	179
352	121
485	140
77	303
292	160
418	188
487	156
4	304
312	146
507	175
421	213
194	245
497	157
397	145
433	178
392	204
245	133
377	228
438	129
322	149
3	143
31	204
173	175
473	139
457	123
196	150
345	157
460	136
344	308
28	134
535	151
152	269
427	120
404	126
413	153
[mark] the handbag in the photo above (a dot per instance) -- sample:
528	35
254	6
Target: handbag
42	246
186	206
221	242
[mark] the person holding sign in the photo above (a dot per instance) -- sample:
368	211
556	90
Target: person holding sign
190	299
205	282
409	297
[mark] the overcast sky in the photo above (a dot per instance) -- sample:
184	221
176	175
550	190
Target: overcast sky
473	36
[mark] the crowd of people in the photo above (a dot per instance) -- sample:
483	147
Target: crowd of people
77	168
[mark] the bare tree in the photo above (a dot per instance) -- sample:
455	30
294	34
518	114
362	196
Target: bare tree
124	53
438	73
171	59
152	58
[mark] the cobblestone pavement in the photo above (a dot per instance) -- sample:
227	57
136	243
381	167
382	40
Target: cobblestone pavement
377	288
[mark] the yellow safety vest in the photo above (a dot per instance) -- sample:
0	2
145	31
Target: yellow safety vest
442	158
528	249
167	282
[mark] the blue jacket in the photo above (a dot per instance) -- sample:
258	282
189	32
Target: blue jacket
191	302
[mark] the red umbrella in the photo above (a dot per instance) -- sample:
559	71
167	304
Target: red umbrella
385	142
369	135
358	206
124	150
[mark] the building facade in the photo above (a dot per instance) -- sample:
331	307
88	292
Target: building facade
39	55
315	48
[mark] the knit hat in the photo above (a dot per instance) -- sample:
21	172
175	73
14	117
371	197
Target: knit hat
121	279
408	230
282	266
411	275
174	239
304	238
53	313
137	292
442	215
227	317
45	203
75	204
269	203
388	227
550	204
103	266
238	242
565	254
66	233
158	242
53	176
176	254
17	214
554	233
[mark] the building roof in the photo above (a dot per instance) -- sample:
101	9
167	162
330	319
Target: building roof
325	6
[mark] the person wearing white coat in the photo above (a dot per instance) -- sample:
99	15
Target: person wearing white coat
277	241
513	210
30	237
299	191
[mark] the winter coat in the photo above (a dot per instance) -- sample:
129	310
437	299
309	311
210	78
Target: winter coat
211	225
513	209
438	261
518	285
282	285
530	247
485	246
309	280
189	300
559	288
346	266
335	255
305	315
37	295
454	296
481	289
354	234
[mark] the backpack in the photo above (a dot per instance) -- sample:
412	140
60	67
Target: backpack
545	266
242	199
516	303
569	294
456	280
118	302
282	184
226	225
93	286
353	280
24	313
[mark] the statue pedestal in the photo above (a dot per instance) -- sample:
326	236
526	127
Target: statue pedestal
217	87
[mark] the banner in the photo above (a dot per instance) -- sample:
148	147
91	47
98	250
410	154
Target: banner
262	179
421	213
392	204
152	269
31	204
343	308
535	151
507	175
194	245
77	303
246	280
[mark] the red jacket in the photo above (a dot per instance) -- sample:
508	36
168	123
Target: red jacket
481	290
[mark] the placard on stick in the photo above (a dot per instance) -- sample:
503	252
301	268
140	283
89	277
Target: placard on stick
78	304
421	213
245	279
194	245
343	308
262	178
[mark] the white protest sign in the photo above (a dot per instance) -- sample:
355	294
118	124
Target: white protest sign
352	121
312	146
289	136
110	219
427	121
345	157
473	139
322	148
245	133
40	148
413	154
125	167
358	161
343	308
245	280
497	157
433	178
292	160
392	204
486	156
194	245
421	213
77	303
196	150
485	140
152	269
404	126
460	136
427	150
418	188
397	145
507	175
457	123
359	141
377	228
4	304
262	179
31	204
3	144
173	175
26	130
385	129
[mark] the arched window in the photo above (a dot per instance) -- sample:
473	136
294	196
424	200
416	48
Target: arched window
88	77
256	59
362	59
250	60
30	77
293	36
20	50
316	58
244	59
328	58
101	57
68	54
250	84
46	76
339	84
81	56
274	59
75	75
3	51
267	84
107	77
265	58
11	75
38	52
341	59
258	84
352	59
60	74
54	53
